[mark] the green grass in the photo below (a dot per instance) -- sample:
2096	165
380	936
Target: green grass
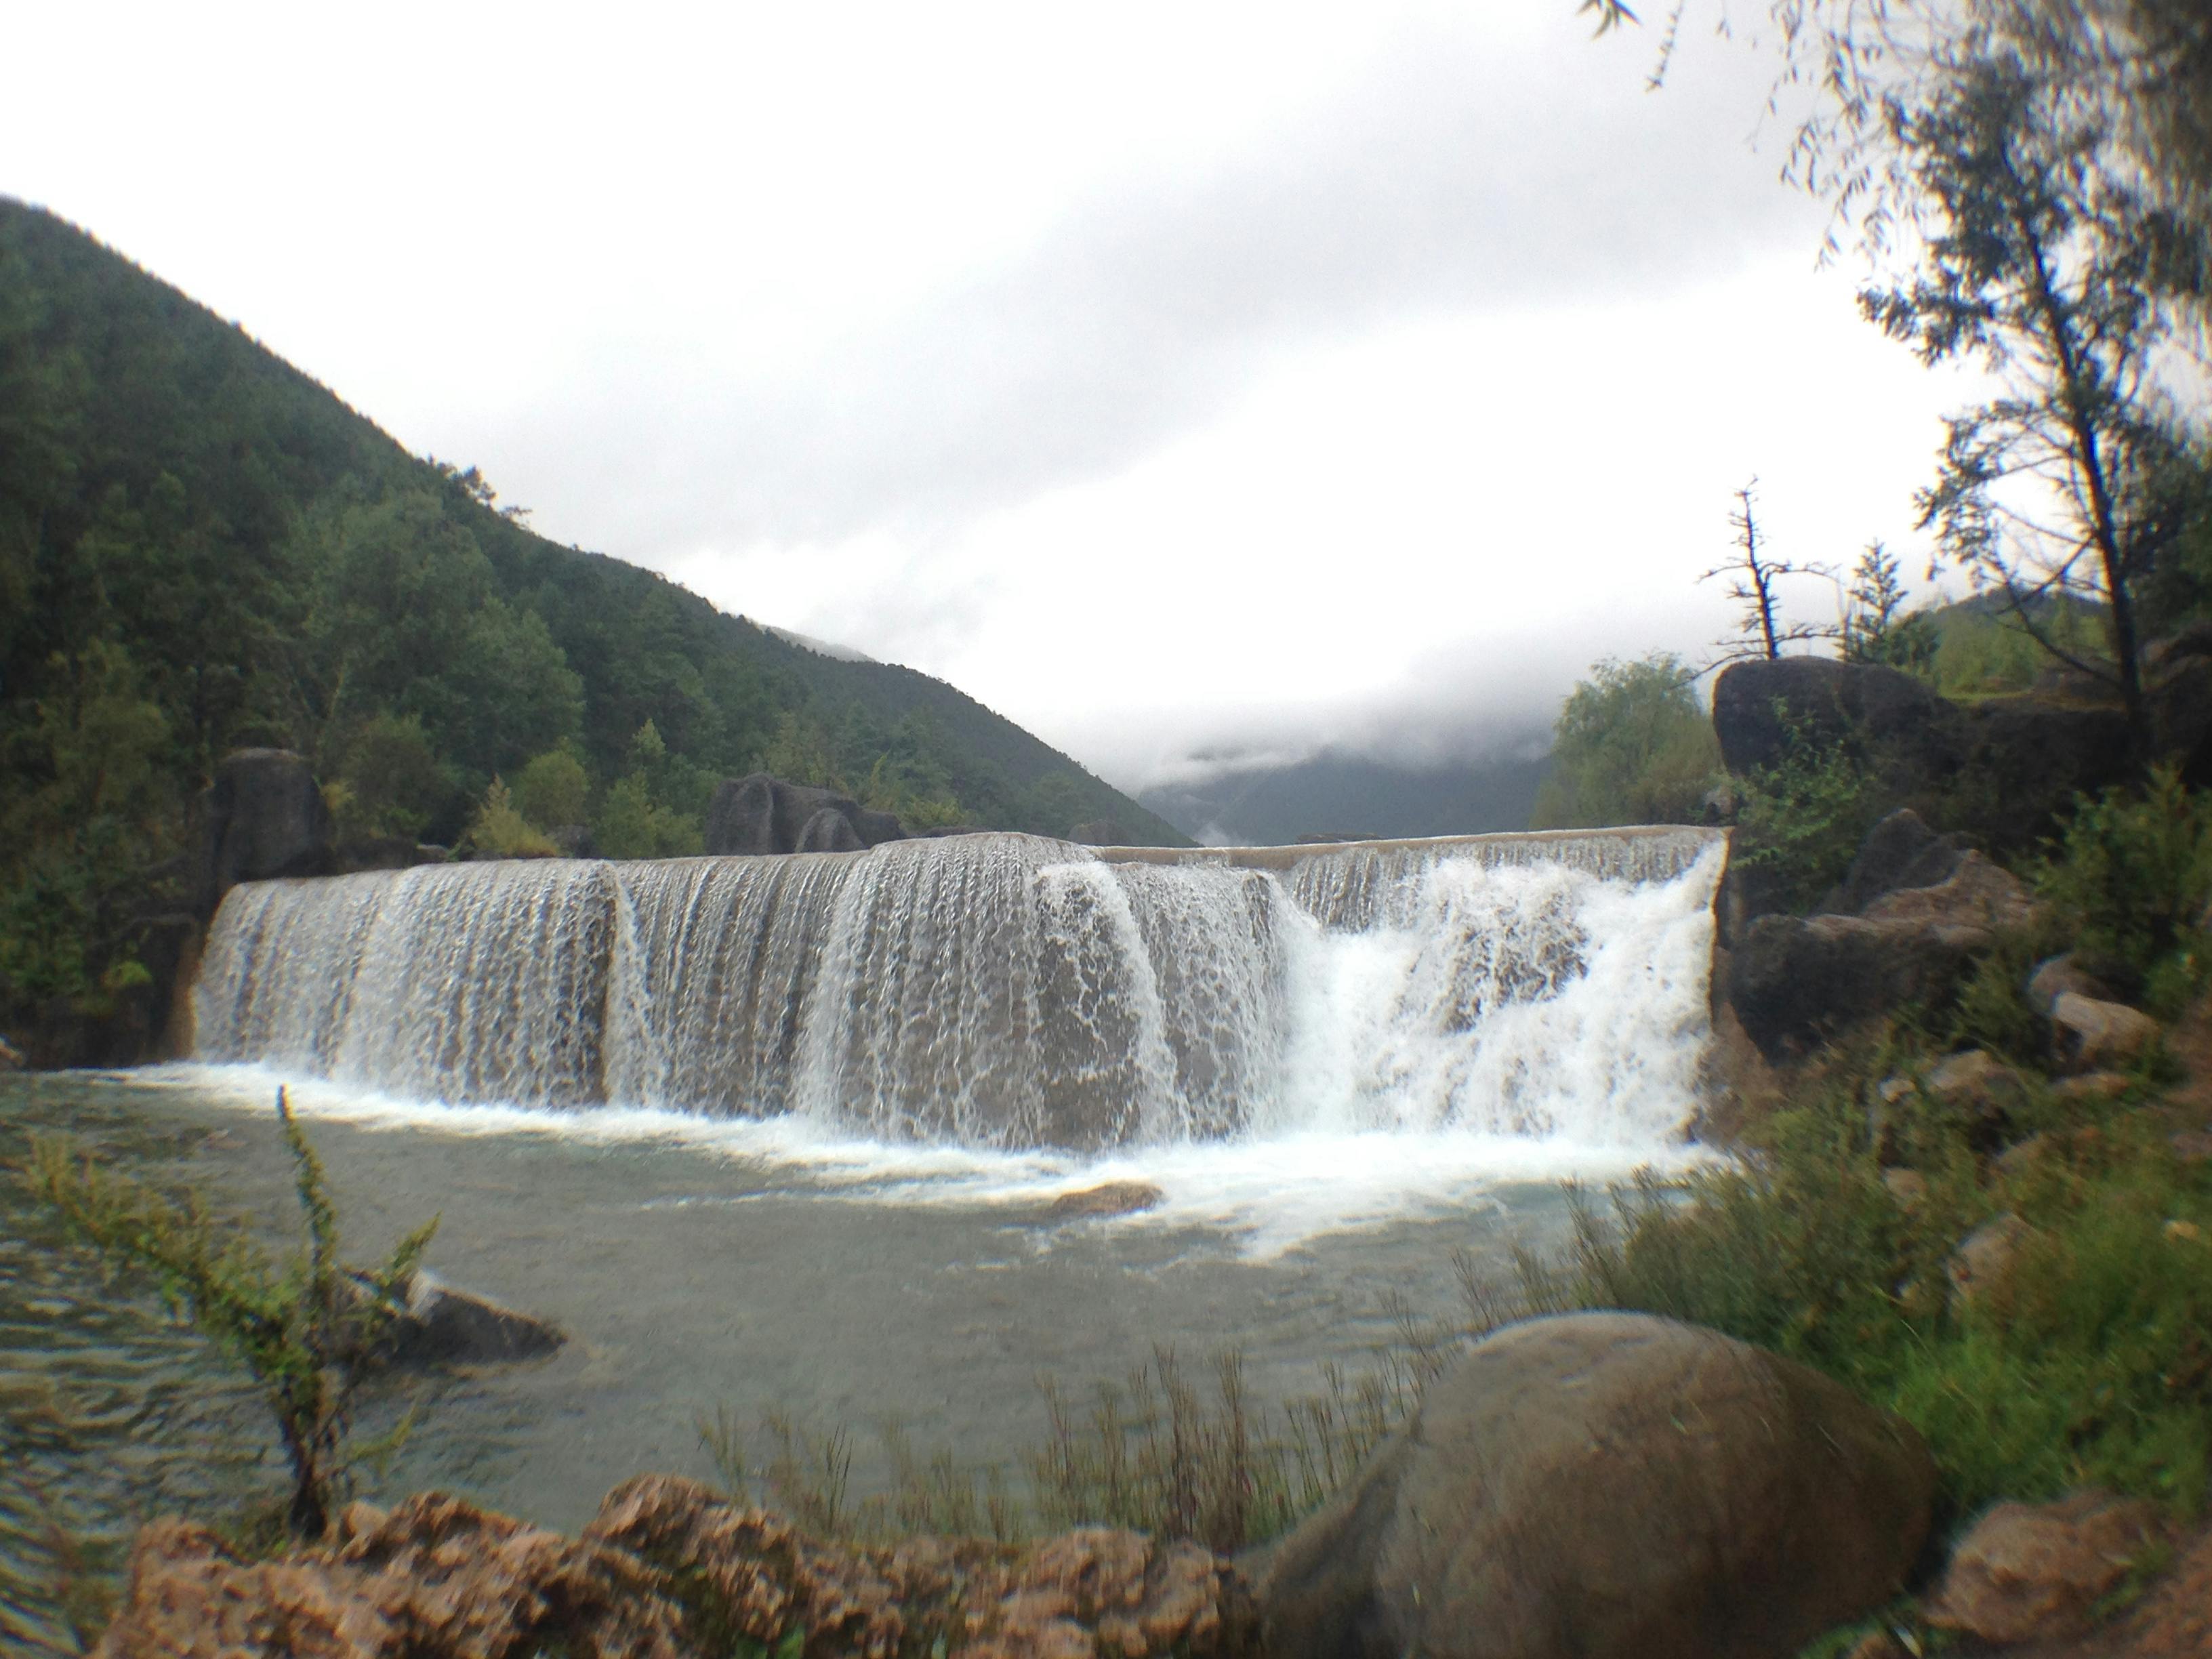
2091	1364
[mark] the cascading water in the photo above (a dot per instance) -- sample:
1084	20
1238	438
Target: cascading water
1008	991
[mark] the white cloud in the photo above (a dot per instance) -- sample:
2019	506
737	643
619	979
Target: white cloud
1178	381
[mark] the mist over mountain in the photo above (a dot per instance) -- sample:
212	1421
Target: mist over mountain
1344	796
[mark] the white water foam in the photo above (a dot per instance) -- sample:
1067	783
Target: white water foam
1362	1034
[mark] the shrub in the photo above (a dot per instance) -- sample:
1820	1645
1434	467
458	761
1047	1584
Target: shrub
500	829
308	1330
551	790
2130	878
1632	746
2090	1366
1801	820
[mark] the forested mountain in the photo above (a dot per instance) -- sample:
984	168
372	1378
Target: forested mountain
201	547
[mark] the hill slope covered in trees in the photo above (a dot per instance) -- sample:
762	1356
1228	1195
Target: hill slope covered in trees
200	548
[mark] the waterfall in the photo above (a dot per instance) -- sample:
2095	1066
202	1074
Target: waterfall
1008	991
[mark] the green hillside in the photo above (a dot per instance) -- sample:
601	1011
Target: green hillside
200	548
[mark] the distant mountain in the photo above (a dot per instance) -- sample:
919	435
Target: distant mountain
1350	797
201	547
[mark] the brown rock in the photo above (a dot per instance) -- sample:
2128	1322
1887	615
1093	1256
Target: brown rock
1109	1198
2191	1145
2094	1036
1908	1186
2093	1085
1977	1086
2028	1570
2055	975
666	1568
1604	1486
1983	1262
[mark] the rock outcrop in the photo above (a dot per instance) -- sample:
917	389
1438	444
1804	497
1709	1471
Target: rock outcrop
2008	767
758	814
668	1570
1795	980
264	816
1604	1486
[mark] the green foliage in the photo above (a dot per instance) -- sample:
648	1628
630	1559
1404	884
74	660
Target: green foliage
552	789
2048	271
308	1330
634	821
2085	1365
2131	878
1801	820
1980	653
199	548
1630	746
393	780
499	830
1877	628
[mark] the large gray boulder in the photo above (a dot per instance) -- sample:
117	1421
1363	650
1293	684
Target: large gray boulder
1607	1486
263	816
1763	707
1794	981
759	813
828	831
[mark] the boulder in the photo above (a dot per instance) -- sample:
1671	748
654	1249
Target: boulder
1983	1264
443	1324
1604	1486
2096	1035
668	1570
828	831
1795	980
2093	1085
1762	708
263	816
1979	1088
876	828
1108	1197
2028	1571
1901	851
758	814
2053	976
2008	768
1908	1186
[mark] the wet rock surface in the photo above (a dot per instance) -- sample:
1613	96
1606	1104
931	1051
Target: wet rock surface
444	1324
1602	1484
667	1569
1108	1198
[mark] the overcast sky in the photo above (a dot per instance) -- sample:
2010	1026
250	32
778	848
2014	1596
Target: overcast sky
1183	382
